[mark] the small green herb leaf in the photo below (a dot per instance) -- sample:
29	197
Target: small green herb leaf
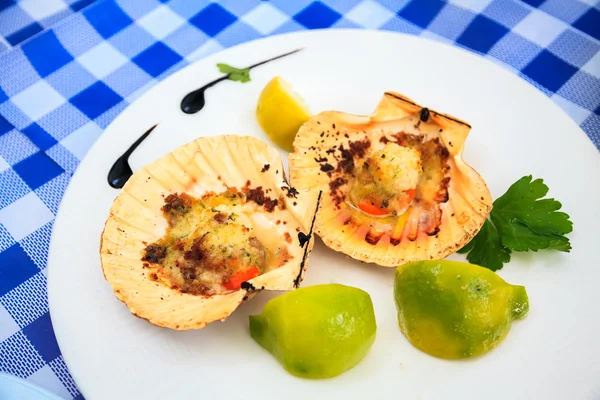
521	220
235	74
528	223
486	248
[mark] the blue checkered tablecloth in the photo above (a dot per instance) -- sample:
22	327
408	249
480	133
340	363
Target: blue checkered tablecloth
68	67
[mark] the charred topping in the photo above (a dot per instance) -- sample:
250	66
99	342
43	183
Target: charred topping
424	116
321	159
178	245
372	238
327	167
441	150
291	192
442	194
265	168
154	253
395	241
312	225
258	196
334	188
188	275
197	252
346	164
356	149
248	286
435	231
359	147
177	203
287	237
220	217
281	203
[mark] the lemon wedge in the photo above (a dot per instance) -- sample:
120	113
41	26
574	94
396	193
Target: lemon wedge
280	112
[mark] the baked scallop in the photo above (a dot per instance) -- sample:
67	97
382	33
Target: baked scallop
395	186
199	231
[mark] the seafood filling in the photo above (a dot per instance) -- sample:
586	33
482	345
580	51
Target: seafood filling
386	183
209	248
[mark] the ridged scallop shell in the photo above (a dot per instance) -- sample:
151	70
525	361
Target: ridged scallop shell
201	166
315	165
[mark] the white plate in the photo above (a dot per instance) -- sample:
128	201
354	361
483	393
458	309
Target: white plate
552	354
15	388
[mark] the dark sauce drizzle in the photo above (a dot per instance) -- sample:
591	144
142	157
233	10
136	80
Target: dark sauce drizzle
120	172
310	232
303	238
195	101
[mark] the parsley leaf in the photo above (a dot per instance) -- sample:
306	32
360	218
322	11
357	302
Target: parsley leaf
521	220
486	248
235	74
528	223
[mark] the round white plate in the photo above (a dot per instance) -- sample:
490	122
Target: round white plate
517	131
13	388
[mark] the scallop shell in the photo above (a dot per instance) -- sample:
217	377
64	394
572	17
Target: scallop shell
201	166
318	164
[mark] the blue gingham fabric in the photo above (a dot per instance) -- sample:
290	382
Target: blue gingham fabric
21	20
67	68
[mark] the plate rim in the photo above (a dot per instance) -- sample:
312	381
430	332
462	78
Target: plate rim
45	393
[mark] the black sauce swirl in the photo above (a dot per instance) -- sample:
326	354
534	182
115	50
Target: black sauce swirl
310	232
195	100
120	172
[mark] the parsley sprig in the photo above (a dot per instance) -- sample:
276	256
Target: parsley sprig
521	220
235	74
